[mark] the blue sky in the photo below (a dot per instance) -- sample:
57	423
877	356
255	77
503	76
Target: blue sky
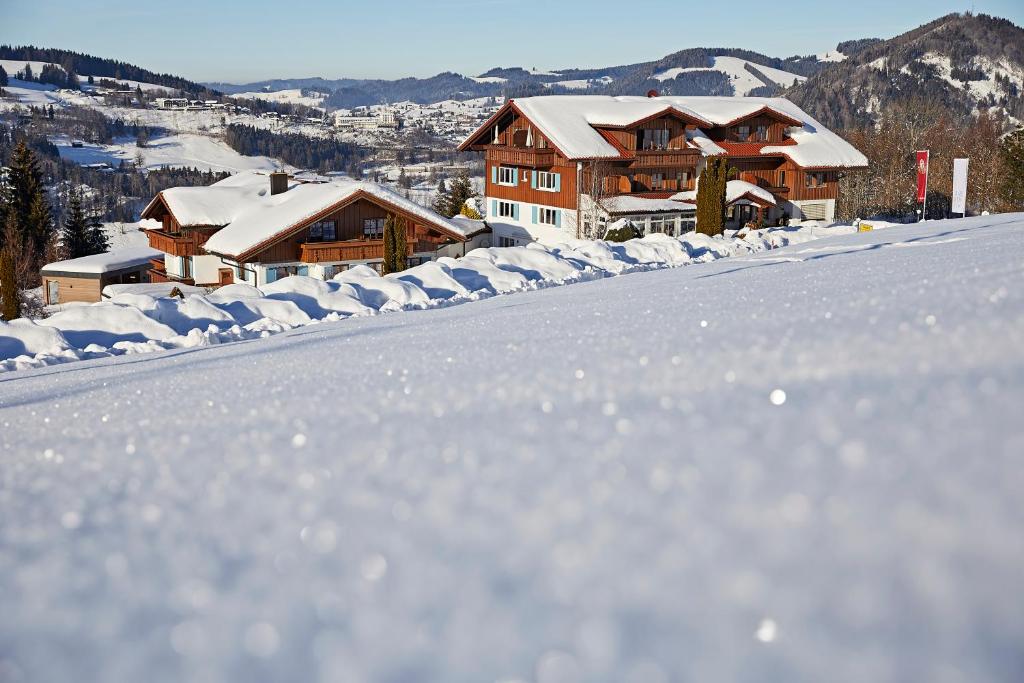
229	40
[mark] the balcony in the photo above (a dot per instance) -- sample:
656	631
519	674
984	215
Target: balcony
170	243
349	250
652	158
521	156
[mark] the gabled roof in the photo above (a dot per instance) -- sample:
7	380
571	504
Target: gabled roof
250	218
255	220
571	124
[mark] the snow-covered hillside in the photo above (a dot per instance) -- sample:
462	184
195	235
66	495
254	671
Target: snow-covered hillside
189	150
288	96
803	465
743	81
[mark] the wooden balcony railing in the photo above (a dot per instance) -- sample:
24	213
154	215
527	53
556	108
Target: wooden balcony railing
350	250
521	156
666	157
158	265
176	245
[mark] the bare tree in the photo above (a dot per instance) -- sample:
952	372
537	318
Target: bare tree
597	187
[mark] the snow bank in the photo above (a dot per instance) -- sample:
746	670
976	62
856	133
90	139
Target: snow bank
140	322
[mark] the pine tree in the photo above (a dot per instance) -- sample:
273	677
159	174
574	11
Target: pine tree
711	197
10	302
461	192
75	234
40	230
442	200
3	77
1011	149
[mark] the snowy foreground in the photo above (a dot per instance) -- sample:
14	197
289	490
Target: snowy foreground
130	324
798	465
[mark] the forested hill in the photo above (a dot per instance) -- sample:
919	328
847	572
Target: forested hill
963	61
99	67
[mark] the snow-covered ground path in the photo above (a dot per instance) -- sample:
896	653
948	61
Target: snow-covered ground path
804	465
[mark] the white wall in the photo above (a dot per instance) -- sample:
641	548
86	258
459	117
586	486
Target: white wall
538	231
205	269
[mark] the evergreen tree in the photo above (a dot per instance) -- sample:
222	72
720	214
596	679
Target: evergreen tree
10	302
461	191
442	200
3	77
711	197
1011	149
395	244
389	244
76	235
400	261
404	181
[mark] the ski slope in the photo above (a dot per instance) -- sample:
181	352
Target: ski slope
801	465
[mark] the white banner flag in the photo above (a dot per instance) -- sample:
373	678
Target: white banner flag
959	186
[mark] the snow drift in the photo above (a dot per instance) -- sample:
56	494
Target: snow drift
137	323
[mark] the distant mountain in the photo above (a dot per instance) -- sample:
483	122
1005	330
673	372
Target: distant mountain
696	71
965	61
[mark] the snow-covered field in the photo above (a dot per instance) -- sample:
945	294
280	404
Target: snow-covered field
798	465
186	149
742	80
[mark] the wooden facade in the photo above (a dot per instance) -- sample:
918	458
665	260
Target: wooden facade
68	287
354	233
650	161
351	242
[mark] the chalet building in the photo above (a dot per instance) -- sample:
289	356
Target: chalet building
256	228
558	166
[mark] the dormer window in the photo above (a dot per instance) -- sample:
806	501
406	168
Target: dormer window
652	138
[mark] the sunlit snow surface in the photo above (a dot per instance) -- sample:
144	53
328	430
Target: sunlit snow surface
803	465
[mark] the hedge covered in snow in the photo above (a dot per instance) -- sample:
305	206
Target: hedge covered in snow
137	323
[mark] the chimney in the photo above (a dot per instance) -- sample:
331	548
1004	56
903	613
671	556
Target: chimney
278	182
652	93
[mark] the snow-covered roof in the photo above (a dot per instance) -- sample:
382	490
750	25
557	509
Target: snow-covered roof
632	204
251	216
570	122
734	190
104	263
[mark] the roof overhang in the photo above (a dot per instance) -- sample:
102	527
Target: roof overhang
287	232
764	111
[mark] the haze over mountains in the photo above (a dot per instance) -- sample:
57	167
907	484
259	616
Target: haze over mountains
964	61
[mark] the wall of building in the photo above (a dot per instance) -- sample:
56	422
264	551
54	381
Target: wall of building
71	289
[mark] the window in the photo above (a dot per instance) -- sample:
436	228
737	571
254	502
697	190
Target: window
547	181
653	138
816	179
373	228
657	181
682	179
657	224
743	132
506	175
322	231
782	178
506	210
546	216
506	242
762	133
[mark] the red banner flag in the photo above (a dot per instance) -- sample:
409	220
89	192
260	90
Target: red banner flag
922	175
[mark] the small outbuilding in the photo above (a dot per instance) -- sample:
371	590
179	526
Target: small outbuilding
83	278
